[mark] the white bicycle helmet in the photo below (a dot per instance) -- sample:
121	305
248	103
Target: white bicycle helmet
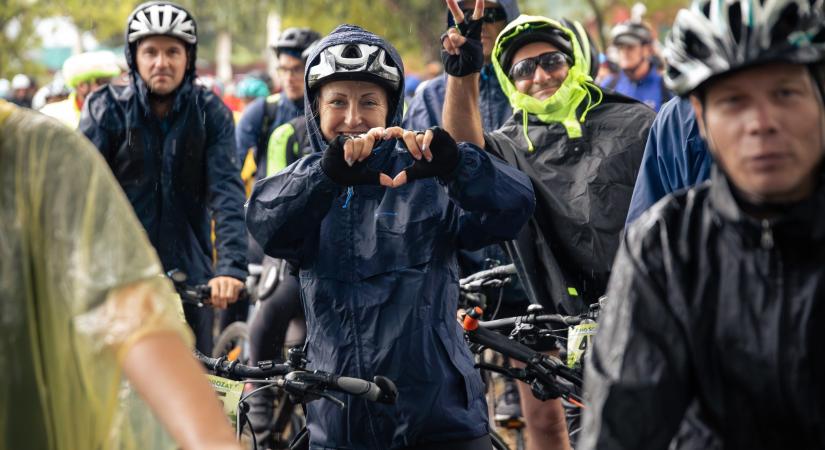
20	81
88	66
161	18
715	37
354	61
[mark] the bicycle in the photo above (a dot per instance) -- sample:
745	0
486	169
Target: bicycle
300	384
232	344
547	376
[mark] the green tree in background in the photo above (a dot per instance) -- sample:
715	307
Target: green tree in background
413	26
17	37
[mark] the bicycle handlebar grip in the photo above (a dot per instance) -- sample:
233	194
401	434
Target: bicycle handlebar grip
501	344
358	388
389	393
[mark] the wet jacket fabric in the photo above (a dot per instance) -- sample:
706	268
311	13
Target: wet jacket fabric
248	130
581	148
675	157
710	304
424	110
583	187
379	280
179	173
69	241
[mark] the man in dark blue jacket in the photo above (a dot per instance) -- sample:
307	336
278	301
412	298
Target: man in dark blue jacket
424	110
170	145
262	116
639	77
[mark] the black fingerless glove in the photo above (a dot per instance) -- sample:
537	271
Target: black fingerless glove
445	158
471	57
337	169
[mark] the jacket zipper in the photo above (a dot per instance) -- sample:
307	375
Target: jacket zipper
767	235
776	276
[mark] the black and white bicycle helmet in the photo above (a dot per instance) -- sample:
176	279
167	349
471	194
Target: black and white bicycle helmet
354	62
161	18
715	37
296	39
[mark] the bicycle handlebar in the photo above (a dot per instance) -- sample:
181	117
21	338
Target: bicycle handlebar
234	371
495	272
298	381
539	366
199	294
532	319
383	390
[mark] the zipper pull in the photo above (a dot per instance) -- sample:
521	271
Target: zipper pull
767	235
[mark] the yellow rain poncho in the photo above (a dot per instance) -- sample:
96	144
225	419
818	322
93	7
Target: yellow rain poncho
68	241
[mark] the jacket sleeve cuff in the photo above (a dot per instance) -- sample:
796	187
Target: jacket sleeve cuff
469	163
231	272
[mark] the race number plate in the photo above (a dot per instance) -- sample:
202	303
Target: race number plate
229	392
578	339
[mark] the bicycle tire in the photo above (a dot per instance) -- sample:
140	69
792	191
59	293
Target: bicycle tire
233	339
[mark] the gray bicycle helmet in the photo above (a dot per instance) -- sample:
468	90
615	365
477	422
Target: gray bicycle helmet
630	33
296	39
354	62
715	37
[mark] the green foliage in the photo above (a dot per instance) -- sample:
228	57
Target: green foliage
18	15
413	26
245	19
105	20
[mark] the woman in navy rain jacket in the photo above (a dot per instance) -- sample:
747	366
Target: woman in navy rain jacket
377	263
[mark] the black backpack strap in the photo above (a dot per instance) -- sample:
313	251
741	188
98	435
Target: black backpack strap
270	110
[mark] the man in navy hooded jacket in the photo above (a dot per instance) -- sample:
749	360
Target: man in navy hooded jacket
377	259
170	144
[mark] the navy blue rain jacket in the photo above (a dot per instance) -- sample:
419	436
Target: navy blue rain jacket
248	131
650	90
424	110
379	279
675	157
178	174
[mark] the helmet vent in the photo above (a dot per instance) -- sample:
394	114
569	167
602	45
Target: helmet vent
351	51
735	21
695	46
787	23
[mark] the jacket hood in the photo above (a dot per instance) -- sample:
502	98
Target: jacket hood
578	86
348	34
510	8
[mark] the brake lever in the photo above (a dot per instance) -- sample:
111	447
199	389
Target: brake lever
329	397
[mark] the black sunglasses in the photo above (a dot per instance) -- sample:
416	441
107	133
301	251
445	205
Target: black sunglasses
491	15
549	62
